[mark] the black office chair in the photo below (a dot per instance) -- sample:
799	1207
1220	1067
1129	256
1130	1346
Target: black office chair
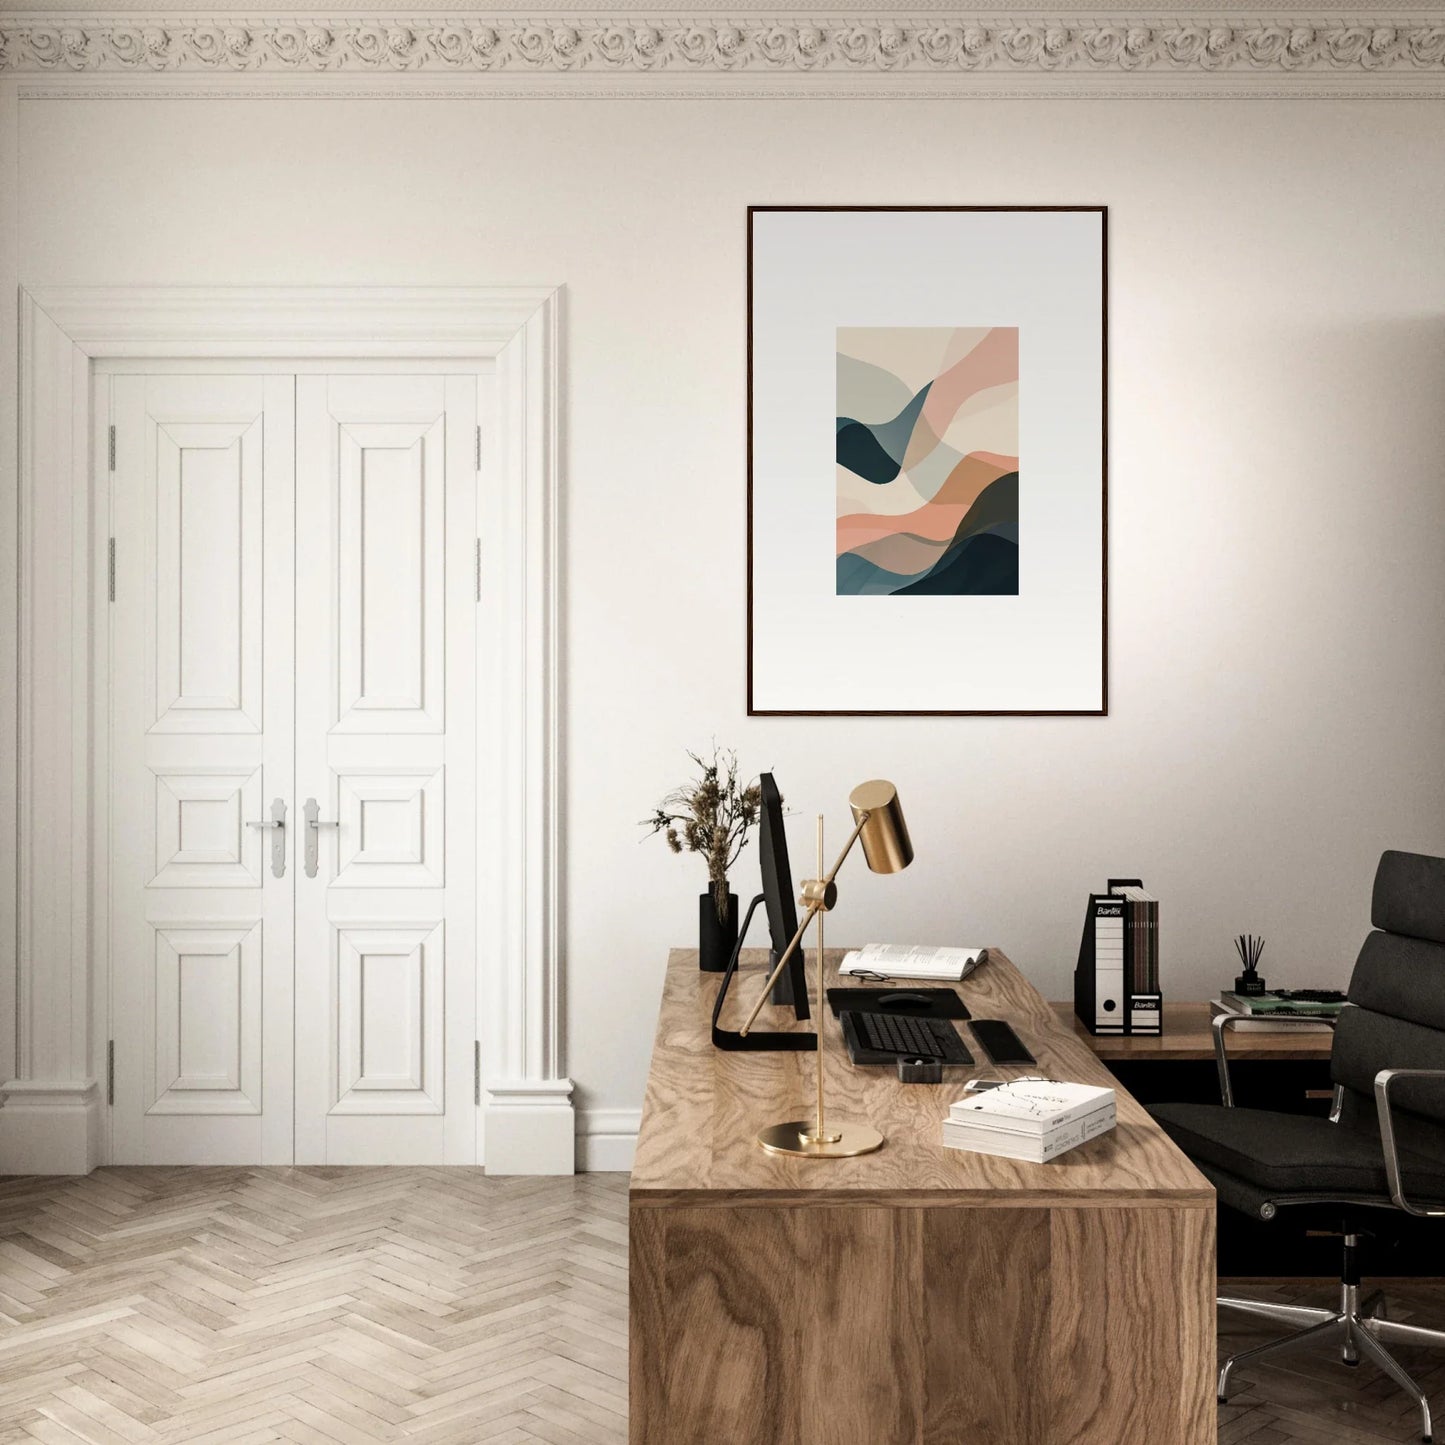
1381	1151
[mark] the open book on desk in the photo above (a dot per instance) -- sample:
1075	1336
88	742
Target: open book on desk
902	960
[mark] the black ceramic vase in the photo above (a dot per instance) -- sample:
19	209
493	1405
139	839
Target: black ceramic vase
716	938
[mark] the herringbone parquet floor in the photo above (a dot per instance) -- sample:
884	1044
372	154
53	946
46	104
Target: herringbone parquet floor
347	1306
336	1306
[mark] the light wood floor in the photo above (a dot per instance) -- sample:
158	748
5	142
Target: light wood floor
344	1307
325	1305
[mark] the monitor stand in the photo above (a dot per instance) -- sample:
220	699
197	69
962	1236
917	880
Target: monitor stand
757	1040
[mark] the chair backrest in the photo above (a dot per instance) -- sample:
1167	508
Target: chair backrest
1398	993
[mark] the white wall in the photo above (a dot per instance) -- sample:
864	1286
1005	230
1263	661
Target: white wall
1277	489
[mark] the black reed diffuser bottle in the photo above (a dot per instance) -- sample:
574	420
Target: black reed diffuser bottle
1249	984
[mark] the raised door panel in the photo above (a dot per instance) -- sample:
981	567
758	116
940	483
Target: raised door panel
205	655
203	1023
202	837
390	574
392	828
390	1018
385	928
202	665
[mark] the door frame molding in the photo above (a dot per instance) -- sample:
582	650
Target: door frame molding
51	1117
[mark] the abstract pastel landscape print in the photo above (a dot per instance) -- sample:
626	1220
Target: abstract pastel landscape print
928	467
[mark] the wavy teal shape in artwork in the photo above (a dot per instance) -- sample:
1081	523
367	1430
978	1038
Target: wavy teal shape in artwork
858	577
983	565
858	450
876	452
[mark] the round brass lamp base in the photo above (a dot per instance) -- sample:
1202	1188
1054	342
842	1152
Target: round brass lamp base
844	1141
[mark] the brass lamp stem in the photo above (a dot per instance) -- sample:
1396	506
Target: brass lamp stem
819	1134
818	895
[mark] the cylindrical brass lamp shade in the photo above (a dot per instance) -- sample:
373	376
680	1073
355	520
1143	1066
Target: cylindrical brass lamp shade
886	844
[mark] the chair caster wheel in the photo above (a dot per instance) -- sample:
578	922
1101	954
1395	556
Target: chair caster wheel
1221	1399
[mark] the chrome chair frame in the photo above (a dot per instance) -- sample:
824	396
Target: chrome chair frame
1360	1327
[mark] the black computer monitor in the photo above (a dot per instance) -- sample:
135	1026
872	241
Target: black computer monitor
791	987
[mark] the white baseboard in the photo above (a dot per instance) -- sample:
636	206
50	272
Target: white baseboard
607	1140
55	1129
531	1128
49	1127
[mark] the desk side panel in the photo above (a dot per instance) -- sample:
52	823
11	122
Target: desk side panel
850	1324
986	1336
1132	1347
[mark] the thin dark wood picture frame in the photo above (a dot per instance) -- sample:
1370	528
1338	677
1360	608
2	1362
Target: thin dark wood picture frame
1103	709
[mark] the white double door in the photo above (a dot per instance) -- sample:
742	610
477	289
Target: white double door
292	767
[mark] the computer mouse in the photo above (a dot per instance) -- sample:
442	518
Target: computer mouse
903	999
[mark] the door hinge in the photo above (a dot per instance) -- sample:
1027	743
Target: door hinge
479	569
110	1072
479	448
110	569
111	446
477	1072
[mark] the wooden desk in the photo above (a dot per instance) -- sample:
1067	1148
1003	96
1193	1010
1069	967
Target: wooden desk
1187	1036
919	1295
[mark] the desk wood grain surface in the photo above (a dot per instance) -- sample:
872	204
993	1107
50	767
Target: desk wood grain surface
919	1295
704	1107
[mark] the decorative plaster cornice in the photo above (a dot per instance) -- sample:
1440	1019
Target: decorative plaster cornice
1190	49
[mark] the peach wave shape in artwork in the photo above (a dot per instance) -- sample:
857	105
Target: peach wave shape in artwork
975	472
994	361
936	521
933	523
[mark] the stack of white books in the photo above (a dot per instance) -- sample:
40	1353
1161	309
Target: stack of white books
904	960
1032	1119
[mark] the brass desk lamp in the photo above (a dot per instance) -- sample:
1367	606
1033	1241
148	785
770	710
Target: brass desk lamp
878	823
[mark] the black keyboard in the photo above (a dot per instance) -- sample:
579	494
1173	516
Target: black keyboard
882	1038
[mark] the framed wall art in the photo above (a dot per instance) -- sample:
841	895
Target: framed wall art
927	401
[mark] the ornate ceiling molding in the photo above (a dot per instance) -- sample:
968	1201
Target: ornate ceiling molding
1191	50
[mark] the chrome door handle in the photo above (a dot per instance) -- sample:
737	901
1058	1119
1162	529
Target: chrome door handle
276	821
314	824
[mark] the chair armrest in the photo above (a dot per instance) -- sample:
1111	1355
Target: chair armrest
1383	1080
1222	1023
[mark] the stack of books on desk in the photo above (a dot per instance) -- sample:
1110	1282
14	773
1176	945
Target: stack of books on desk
1263	1012
1032	1119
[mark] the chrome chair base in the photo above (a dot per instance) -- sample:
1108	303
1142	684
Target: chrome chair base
1360	1327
